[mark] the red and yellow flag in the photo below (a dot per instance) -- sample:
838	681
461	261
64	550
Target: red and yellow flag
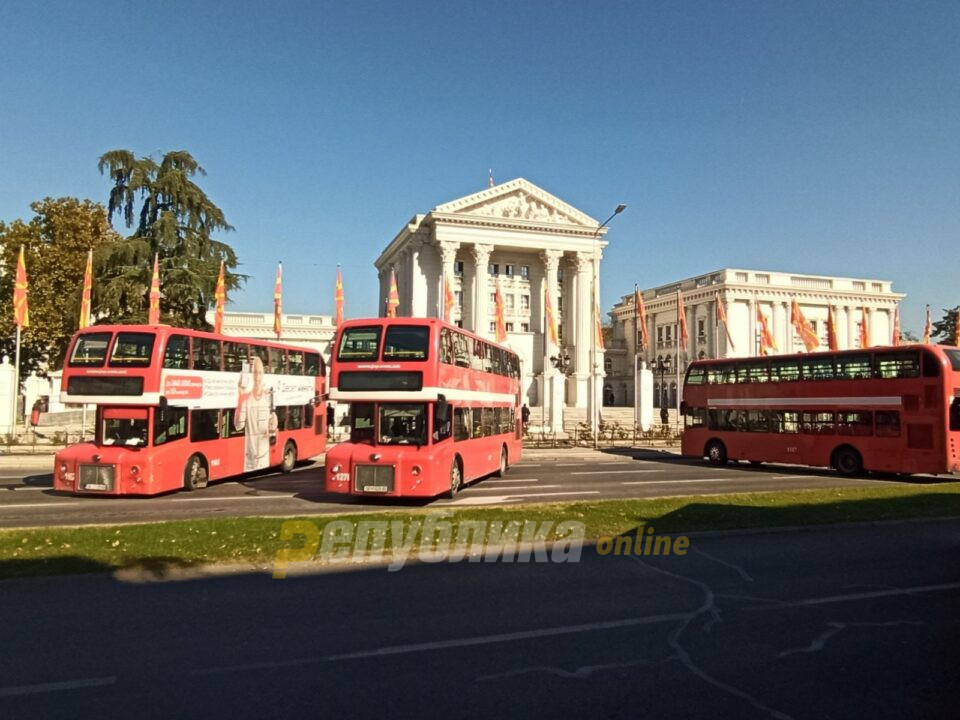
682	320
956	329
21	310
807	334
864	328
87	290
896	339
338	300
278	302
767	342
722	318
154	315
926	327
220	299
449	299
393	299
501	326
640	318
831	330
601	346
551	319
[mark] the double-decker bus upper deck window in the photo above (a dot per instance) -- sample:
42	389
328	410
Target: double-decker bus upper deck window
234	356
854	367
313	365
206	354
295	362
263	353
819	368
752	372
904	364
278	361
714	374
696	375
177	353
359	343
132	350
953	356
784	370
90	350
406	342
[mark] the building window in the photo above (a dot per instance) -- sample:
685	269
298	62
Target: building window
560	303
669	333
493	299
509	327
508	270
524	302
494	269
525	272
459	323
493	327
559	274
608	365
458	268
560	333
458	294
508	301
524	327
701	329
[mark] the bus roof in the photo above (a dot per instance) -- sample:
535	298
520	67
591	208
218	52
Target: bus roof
936	349
164	330
422	321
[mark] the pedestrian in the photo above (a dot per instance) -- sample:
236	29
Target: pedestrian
35	414
330	420
525	416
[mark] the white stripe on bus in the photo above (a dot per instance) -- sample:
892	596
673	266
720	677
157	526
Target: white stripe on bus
892	400
427	394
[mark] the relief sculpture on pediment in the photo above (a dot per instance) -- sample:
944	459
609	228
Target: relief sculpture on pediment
522	207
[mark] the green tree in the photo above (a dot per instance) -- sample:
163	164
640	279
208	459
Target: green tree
55	241
943	329
173	217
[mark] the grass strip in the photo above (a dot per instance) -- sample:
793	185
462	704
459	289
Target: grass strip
162	546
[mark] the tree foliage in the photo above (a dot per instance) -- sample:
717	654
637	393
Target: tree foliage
55	241
943	329
171	216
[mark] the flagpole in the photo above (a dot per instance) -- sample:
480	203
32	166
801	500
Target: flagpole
16	388
636	359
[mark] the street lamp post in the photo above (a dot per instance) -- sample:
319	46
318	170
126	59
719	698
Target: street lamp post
594	410
662	368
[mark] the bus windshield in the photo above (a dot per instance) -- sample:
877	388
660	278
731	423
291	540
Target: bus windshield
360	343
124	427
132	350
90	349
403	425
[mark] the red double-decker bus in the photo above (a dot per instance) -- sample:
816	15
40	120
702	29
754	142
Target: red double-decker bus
178	408
432	407
888	409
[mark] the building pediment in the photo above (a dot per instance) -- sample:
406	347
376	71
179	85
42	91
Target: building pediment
517	200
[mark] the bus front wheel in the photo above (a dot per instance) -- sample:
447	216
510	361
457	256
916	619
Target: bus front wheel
456	479
195	474
289	457
848	462
716	452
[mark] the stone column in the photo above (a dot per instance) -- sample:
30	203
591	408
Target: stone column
787	328
448	255
384	290
851	328
418	285
553	381
580	311
481	318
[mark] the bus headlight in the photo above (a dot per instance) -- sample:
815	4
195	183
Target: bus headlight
335	469
63	469
134	470
415	470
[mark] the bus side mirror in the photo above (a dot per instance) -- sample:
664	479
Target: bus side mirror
163	408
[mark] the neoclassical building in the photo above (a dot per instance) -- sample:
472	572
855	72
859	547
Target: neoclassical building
311	331
526	239
740	292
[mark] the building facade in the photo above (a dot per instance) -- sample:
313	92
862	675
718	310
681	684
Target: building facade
309	331
740	292
526	240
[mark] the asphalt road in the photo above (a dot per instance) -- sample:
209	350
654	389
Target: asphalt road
843	622
27	498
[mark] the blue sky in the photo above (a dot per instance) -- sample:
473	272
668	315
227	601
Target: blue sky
817	137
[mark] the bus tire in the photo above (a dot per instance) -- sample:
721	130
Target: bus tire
456	478
289	457
848	461
716	452
504	465
195	475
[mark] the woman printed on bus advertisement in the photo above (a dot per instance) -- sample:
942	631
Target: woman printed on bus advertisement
255	415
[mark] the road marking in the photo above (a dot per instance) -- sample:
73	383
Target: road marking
242	497
41	688
526	464
877	594
573	492
489	482
516	487
581	464
449	644
615	472
672	482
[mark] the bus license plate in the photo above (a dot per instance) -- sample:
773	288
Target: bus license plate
94	486
375	488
